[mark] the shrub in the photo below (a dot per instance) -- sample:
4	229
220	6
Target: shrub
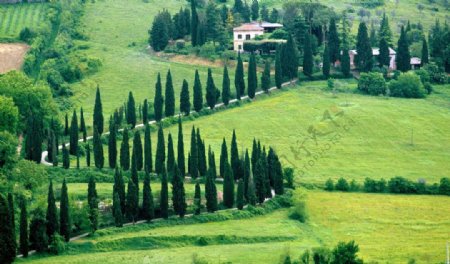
437	75
372	83
288	175
57	245
408	85
444	187
342	185
401	185
279	34
298	211
27	35
329	185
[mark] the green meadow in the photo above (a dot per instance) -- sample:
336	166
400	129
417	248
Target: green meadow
13	18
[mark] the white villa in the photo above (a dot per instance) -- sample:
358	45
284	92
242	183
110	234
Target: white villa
415	62
249	31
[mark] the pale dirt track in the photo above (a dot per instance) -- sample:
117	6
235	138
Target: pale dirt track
12	56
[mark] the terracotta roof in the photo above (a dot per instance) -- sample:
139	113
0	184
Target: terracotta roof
249	27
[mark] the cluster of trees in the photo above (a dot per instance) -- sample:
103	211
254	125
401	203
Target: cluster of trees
244	12
394	185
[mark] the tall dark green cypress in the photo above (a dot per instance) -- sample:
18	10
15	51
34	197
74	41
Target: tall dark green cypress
240	195
197	199
210	192
164	199
278	176
345	62
54	150
117	211
383	58
148	160
170	154
159	100
88	155
66	158
193	155
178	193
228	186
66	125
225	86
7	239
267	186
180	157
234	153
198	94
83	129
12	221
170	96
23	248
385	30
239	82
119	188
363	49
212	162
98	112
278	69
265	78
308	57
255	154
247	172
131	110
93	204
132	202
112	145
202	168
326	62
135	177
125	151
64	213
74	134
252	77
160	152
251	191
194	24
425	55
98	150
52	213
137	150
211	94
148	208
260	184
185	99
145	112
333	42
291	58
403	58
223	157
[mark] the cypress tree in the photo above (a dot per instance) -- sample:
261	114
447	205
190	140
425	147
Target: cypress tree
198	94
271	166
98	150
194	24
251	191
159	100
425	55
278	176
170	154
137	150
403	58
308	57
265	167
185	103
164	199
240	195
260	184
125	151
66	158
160	152
74	134
83	129
132	202
228	186
88	155
383	58
170	96
93	204
54	150
265	78
148	163
223	157
180	149
247	172
7	239
197	199
117	212
145	112
210	192
211	94
23	248
98	112
178	193
326	62
278	71
193	155
345	63
38	237
66	125
50	136
148	208
12	221
112	145
225	86
252	77
239	82
202	169
255	154
291	58
363	49
131	110
119	188
235	162
385	30
34	138
333	42
212	162
52	213
64	213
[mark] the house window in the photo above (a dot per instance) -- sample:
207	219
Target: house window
247	37
239	36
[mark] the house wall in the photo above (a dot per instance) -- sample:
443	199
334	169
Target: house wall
240	36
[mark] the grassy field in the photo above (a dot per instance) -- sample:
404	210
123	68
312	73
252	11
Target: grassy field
386	227
13	18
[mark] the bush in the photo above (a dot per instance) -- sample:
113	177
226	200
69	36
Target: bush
437	75
372	83
288	175
27	35
401	185
57	245
444	187
408	85
279	34
298	211
329	185
342	185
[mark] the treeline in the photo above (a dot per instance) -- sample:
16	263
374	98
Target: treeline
397	185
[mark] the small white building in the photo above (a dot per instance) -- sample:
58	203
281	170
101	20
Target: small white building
375	53
249	31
